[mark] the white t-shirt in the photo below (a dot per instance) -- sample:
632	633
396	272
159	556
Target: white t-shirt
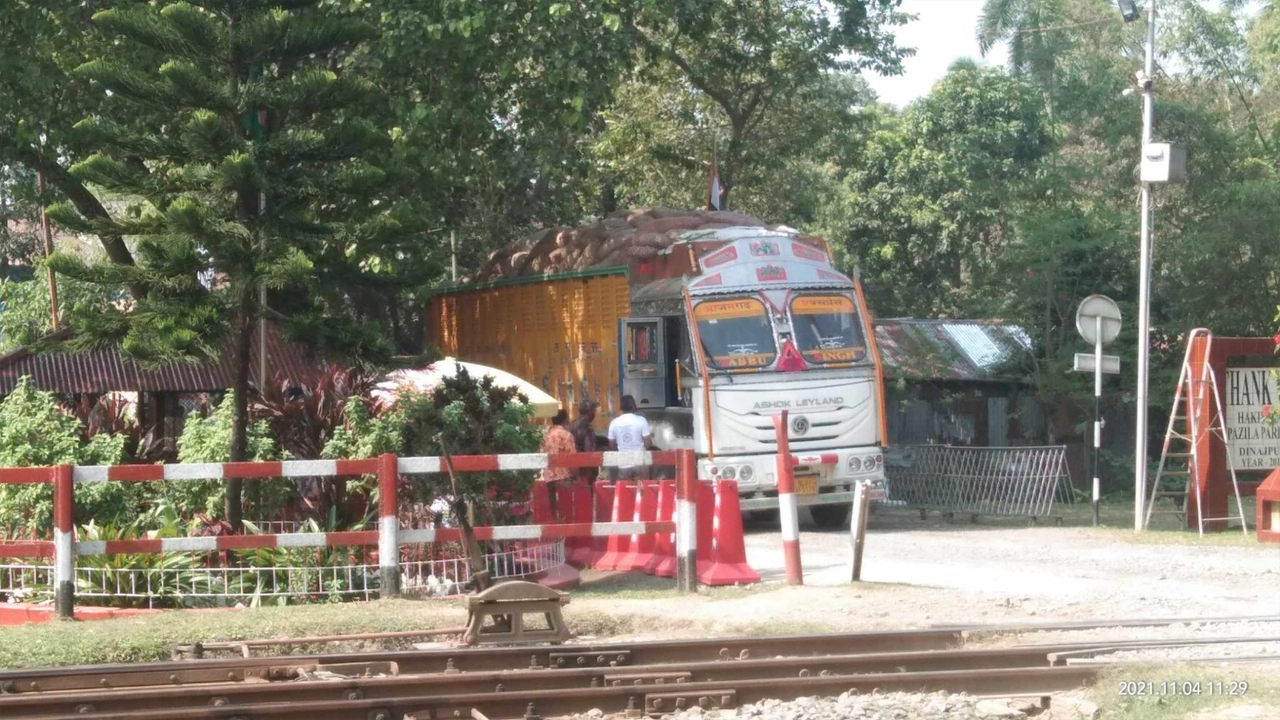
629	432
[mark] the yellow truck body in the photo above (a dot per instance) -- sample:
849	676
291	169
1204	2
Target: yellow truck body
567	337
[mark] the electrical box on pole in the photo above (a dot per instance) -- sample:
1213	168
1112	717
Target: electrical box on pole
1163	163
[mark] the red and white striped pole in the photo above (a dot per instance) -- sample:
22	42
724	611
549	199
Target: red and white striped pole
787	510
64	552
686	521
388	527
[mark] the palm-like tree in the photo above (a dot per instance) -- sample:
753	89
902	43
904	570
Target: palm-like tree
1031	27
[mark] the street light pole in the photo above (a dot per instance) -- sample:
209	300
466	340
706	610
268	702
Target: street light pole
1144	283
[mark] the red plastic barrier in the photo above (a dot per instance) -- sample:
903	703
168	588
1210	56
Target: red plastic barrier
663	563
576	501
706	526
603	508
730	565
646	511
624	509
542	504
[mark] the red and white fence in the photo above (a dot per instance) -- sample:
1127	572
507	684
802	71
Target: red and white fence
389	537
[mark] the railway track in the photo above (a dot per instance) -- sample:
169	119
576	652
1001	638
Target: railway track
644	678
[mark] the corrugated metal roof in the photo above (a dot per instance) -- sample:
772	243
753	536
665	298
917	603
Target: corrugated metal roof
102	371
951	349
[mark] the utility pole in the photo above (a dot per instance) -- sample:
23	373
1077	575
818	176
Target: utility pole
1144	281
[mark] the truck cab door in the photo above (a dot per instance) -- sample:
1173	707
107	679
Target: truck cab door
644	366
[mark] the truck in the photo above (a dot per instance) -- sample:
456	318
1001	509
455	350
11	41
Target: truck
713	336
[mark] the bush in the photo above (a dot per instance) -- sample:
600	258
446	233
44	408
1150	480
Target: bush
473	417
208	440
36	432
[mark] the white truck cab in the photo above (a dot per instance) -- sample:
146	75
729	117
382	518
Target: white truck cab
732	326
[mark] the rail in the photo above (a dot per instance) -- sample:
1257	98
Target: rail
654	678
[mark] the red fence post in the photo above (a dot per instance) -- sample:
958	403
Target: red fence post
64	581
388	527
686	521
787	510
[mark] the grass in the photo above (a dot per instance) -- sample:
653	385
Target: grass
152	637
1263	690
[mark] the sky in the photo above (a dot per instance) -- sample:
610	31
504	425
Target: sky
944	33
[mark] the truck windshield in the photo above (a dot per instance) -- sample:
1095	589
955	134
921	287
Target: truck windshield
826	329
736	333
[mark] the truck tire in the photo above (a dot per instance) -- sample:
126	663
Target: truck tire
830	516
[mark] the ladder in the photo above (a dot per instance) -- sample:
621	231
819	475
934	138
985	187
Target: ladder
1184	431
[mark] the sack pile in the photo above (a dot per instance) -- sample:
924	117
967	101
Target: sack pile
615	240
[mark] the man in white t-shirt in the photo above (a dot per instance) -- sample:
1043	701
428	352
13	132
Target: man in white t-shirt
629	432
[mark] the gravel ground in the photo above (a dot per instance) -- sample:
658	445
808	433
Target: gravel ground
886	706
1177	631
1051	573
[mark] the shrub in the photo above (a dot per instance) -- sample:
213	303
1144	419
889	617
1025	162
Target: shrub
35	432
208	440
473	417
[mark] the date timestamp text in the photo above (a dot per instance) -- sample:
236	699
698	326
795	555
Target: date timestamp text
1166	688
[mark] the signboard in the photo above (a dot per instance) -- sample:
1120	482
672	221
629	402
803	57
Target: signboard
1085	362
1255	445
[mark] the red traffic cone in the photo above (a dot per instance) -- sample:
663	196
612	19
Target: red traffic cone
624	509
663	563
730	566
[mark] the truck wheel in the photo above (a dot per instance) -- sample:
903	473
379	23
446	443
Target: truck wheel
830	516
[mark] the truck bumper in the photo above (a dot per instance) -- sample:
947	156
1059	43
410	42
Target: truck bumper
828	478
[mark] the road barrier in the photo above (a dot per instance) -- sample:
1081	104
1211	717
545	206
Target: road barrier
638	533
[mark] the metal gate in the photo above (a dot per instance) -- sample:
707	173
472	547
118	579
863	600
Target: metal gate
979	480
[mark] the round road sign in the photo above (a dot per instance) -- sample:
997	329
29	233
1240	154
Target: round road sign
1092	308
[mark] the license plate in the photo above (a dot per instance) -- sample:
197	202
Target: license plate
807	485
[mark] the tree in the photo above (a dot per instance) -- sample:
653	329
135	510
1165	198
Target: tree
257	107
19	218
41	43
932	205
25	303
754	57
654	148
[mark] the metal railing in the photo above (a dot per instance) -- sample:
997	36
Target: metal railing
187	580
1019	481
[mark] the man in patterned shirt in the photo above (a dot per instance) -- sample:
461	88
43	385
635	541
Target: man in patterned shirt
557	440
584	435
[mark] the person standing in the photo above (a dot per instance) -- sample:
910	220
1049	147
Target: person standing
629	432
557	440
584	436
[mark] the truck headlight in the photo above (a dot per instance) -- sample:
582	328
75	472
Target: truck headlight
855	463
729	472
869	463
746	473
